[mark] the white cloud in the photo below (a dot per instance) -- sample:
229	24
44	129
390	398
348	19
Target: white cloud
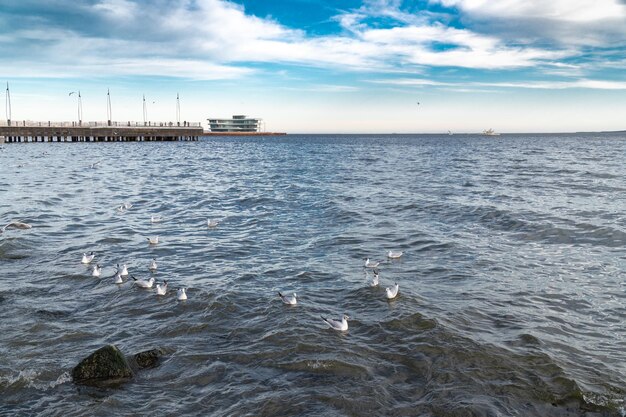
583	83
599	23
117	9
559	10
209	38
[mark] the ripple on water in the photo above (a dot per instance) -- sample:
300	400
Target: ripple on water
511	301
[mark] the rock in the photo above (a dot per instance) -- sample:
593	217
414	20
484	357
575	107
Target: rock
106	363
149	358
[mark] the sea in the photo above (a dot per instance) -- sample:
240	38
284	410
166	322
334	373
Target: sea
512	282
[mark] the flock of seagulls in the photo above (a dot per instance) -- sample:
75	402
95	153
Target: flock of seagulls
181	293
122	271
342	325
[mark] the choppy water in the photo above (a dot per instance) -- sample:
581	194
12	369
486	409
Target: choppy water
512	286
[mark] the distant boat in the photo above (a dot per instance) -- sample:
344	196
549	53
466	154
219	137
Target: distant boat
490	132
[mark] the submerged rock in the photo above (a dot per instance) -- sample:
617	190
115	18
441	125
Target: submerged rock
105	364
149	358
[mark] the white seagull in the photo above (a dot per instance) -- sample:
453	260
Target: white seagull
212	223
370	264
336	324
118	278
155	219
181	294
375	279
128	205
143	283
153	265
87	258
392	292
161	289
288	299
124	271
394	254
15	225
96	271
153	240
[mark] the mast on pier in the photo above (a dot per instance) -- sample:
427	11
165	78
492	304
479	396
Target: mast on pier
109	112
177	109
7	104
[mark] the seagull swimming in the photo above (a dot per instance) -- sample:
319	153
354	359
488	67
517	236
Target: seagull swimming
181	294
118	278
96	271
143	283
161	289
375	279
394	254
16	225
128	205
288	299
392	292
336	324
155	219
153	265
370	264
153	240
124	271
212	223
87	258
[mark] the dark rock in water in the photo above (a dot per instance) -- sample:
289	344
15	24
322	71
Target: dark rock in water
106	363
149	358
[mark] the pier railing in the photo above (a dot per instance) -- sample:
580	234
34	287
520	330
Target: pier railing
32	123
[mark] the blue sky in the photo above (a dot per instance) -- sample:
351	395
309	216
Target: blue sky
323	66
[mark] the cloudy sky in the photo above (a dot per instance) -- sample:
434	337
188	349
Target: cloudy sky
323	65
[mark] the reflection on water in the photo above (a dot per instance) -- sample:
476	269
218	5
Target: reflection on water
512	292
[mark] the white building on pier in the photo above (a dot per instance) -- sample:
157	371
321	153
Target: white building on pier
239	123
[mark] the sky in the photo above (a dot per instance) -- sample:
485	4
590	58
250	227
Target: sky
322	66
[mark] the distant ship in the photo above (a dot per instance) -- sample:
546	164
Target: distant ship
490	132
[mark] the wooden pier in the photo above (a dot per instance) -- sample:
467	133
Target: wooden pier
25	132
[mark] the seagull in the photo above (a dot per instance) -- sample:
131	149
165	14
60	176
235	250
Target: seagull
336	324
143	283
155	219
212	223
161	289
375	279
87	258
370	264
153	240
16	225
92	166
153	265
124	271
181	294
394	254
127	205
96	271
121	208
118	278
288	299
392	292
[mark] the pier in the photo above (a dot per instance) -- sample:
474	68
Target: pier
29	131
